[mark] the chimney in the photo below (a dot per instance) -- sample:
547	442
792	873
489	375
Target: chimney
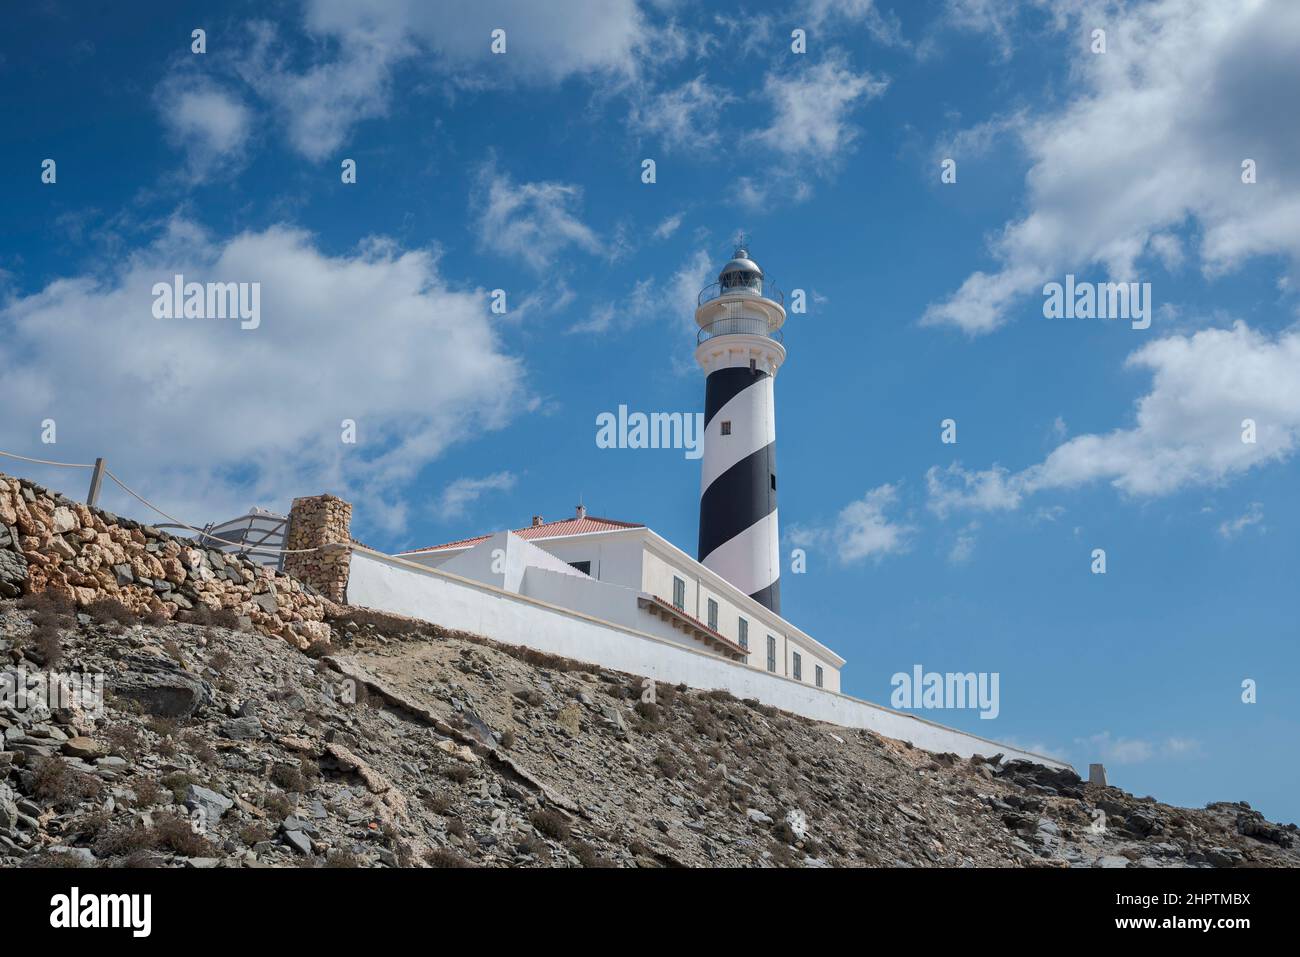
537	520
582	511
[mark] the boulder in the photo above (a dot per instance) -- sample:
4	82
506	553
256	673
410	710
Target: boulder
82	747
211	803
160	687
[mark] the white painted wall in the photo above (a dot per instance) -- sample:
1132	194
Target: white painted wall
391	584
608	602
658	580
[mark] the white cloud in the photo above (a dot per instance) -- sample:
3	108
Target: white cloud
208	123
669	226
463	492
883	27
1150	143
964	547
1111	750
205	418
954	488
650	300
533	222
1254	515
686	117
861	530
1188	429
361	45
812	107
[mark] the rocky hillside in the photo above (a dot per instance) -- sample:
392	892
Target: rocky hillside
402	745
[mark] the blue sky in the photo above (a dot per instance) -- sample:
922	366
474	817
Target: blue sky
522	171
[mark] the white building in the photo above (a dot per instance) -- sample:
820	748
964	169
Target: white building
624	573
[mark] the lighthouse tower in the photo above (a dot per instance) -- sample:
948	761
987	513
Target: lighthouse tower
739	347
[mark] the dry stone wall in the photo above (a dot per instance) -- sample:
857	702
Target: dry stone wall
48	542
323	523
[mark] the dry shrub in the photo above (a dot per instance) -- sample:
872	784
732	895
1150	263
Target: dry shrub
550	823
58	784
444	857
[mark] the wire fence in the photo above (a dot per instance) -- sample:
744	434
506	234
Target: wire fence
99	468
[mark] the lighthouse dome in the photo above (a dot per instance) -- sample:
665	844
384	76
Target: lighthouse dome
741	274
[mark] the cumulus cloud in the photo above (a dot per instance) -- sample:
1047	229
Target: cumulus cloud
1190	429
534	222
669	225
359	47
1112	750
206	418
812	105
862	530
1254	515
208	123
685	117
463	492
651	299
1143	162
883	26
964	547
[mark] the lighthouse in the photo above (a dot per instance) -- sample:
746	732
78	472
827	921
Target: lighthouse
739	348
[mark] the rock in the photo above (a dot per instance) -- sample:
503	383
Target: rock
298	841
758	817
82	855
13	569
85	748
124	573
1252	824
267	602
797	823
241	729
569	719
160	687
8	808
213	804
65	520
1224	856
1112	860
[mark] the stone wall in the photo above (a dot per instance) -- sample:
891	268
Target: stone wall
322	522
48	542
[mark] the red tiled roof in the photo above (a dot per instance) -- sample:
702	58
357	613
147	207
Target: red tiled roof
567	526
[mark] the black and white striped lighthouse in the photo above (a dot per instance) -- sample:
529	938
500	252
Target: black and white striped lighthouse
740	318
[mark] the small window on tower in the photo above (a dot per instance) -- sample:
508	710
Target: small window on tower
773	481
753	365
726	428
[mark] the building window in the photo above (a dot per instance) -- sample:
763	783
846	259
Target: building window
726	427
743	632
753	365
773	481
817	673
771	653
713	614
584	567
679	593
798	667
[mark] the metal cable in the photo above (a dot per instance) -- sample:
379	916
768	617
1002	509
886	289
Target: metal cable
206	535
66	465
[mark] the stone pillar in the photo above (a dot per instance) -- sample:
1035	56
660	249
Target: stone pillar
321	522
1097	774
